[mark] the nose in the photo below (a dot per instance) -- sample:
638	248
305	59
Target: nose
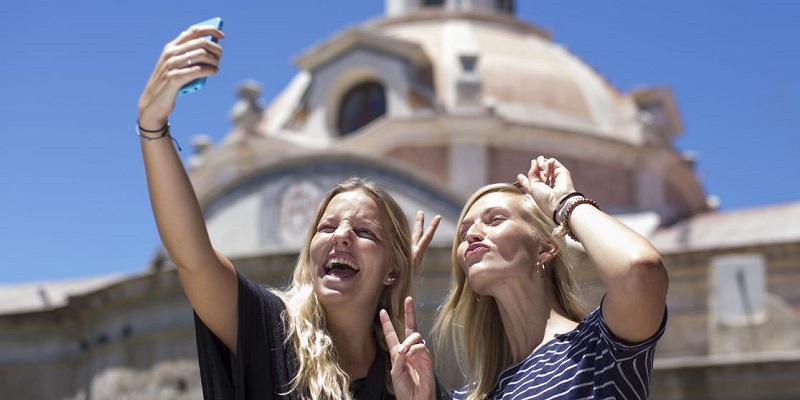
343	235
474	233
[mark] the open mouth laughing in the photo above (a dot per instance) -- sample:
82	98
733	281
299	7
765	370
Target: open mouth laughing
339	267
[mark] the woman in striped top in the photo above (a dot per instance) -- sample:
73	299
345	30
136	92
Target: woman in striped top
513	314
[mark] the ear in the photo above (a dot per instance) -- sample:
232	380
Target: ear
390	279
547	252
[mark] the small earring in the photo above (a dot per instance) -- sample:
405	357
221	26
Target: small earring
540	270
391	278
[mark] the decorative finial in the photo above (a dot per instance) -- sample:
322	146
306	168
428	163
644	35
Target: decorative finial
246	112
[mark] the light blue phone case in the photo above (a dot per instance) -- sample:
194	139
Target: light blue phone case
198	83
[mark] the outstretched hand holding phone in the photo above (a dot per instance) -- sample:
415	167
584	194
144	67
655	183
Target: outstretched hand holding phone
187	58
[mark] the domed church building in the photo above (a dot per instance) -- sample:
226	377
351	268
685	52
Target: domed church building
433	100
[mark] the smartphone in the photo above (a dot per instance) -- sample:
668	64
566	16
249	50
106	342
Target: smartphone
198	83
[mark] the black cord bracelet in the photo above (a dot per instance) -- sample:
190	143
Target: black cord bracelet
164	130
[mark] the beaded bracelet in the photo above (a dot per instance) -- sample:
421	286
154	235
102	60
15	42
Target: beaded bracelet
564	228
164	131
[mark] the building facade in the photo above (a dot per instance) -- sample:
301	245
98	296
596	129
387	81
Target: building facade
433	100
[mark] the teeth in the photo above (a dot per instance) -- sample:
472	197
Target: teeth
337	260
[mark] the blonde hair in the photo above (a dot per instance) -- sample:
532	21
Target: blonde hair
464	322
319	374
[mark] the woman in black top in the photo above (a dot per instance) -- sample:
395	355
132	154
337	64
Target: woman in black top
321	338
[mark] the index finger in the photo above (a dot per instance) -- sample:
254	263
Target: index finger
419	222
388	330
197	37
420	239
411	316
198	31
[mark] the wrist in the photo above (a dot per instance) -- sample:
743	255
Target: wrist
151	123
151	134
148	135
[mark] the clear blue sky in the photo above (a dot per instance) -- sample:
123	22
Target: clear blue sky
74	201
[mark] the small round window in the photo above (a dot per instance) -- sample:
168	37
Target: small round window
360	105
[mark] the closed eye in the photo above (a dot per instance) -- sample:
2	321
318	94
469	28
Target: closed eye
366	233
497	219
326	229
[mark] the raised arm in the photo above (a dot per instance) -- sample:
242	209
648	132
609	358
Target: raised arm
627	263
208	278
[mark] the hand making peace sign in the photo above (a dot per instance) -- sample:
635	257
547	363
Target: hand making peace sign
412	365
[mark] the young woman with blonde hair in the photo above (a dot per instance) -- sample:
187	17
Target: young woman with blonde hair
513	314
322	338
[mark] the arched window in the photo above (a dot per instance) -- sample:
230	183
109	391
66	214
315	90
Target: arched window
506	5
360	105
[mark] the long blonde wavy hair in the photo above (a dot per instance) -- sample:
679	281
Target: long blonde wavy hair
474	327
319	374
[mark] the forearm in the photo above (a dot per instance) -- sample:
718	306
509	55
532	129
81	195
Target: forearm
177	212
631	269
617	251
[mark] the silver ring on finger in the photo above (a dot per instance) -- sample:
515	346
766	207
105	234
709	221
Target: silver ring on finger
189	61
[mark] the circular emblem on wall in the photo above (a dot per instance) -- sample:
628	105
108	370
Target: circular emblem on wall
297	206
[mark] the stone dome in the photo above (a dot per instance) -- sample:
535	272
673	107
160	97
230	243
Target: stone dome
466	93
520	71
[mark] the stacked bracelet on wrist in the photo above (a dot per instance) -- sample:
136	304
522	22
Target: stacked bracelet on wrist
560	205
563	212
163	131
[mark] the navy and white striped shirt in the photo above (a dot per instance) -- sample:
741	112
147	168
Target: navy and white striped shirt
586	363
